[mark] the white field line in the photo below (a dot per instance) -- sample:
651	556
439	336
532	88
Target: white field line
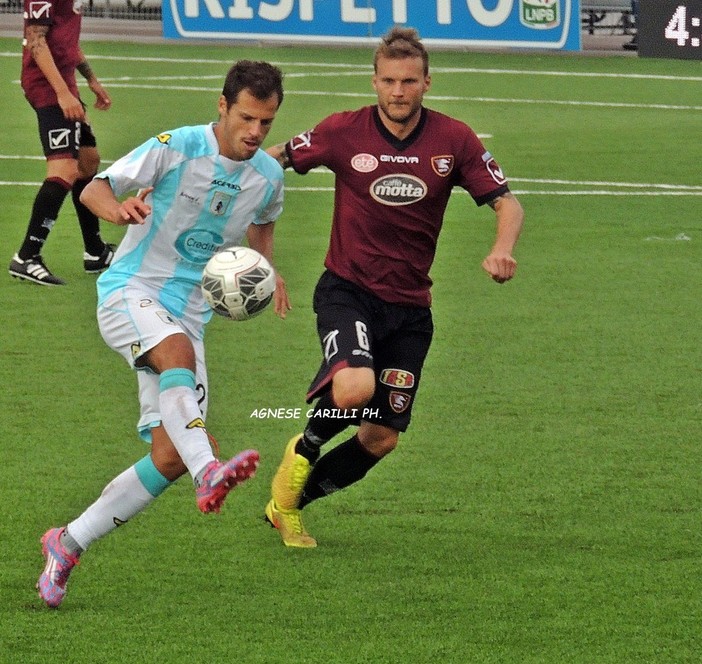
516	192
487	100
537	192
599	183
593	187
508	100
130	82
367	68
653	189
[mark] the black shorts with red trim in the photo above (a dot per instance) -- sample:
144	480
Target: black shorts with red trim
61	138
357	329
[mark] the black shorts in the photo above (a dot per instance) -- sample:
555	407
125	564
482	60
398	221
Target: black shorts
61	137
357	329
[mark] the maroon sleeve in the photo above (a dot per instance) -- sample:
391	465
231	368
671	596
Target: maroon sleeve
313	148
479	174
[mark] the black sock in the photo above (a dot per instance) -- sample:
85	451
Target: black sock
322	428
47	205
89	223
341	467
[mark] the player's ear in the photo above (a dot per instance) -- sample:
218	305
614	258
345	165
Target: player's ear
222	105
427	82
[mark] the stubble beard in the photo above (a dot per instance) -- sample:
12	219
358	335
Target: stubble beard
400	114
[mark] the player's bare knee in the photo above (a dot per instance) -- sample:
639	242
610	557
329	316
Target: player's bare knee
175	351
353	388
352	399
65	169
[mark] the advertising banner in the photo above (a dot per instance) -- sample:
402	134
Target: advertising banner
533	24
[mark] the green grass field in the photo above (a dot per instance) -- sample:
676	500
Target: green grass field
544	505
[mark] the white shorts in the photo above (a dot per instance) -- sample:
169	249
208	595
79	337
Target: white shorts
132	322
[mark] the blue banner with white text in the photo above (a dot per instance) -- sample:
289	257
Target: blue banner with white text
534	24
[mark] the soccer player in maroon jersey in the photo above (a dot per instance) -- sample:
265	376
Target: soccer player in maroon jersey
49	61
395	164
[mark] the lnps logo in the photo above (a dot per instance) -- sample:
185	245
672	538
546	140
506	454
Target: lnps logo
540	14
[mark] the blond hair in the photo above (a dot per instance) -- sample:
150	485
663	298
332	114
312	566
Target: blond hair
401	43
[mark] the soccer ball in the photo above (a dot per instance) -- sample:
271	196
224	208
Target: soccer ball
238	283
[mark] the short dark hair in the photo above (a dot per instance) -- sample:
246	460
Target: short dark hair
401	43
261	79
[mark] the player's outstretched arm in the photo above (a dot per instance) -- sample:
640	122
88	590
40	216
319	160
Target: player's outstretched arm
279	153
99	197
260	237
499	263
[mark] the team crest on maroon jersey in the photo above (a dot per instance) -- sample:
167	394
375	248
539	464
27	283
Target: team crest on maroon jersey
398	189
494	170
399	401
443	164
364	162
303	140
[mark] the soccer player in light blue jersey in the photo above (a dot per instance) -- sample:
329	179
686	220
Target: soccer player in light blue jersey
198	189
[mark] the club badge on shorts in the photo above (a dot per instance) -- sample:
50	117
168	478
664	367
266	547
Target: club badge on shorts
399	401
397	378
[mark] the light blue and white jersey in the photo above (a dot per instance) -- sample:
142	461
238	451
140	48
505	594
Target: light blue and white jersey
201	203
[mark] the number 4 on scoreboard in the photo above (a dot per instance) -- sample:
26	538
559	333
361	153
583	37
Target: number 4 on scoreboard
677	27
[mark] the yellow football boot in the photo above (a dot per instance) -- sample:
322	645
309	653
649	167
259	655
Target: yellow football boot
290	478
289	525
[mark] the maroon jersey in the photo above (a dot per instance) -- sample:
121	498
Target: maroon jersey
63	18
391	195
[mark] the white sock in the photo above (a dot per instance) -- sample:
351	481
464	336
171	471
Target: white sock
124	497
182	420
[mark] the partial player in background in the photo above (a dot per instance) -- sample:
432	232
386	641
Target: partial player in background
50	58
395	164
201	188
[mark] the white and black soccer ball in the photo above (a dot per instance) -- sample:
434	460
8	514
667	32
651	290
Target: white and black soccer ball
238	283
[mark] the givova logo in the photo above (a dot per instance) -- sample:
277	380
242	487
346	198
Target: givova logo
540	14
